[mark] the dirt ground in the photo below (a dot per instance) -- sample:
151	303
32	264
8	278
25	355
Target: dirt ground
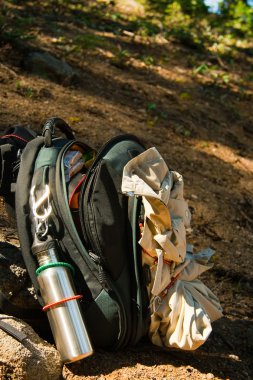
204	130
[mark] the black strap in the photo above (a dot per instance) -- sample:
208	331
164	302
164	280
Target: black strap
8	154
15	333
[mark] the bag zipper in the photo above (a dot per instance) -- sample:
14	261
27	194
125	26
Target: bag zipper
96	255
88	237
64	200
101	152
84	193
102	276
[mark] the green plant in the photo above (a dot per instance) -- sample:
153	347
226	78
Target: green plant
145	26
182	130
121	57
26	91
89	41
202	69
122	53
250	77
238	17
185	96
148	60
151	107
155	114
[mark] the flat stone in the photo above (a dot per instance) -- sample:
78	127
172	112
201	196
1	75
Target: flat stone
33	359
49	66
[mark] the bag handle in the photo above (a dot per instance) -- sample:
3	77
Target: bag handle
49	127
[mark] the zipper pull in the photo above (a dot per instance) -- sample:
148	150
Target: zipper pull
94	257
103	278
102	275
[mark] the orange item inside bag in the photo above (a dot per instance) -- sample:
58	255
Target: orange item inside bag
74	190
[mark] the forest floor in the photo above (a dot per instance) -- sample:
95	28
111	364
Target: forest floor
201	123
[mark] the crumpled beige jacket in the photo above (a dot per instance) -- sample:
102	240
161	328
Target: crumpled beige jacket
182	307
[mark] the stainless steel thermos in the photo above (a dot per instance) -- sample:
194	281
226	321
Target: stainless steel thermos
61	302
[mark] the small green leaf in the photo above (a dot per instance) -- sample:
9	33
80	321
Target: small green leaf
226	78
148	60
201	69
185	96
151	106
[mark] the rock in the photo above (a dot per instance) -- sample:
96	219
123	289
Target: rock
17	295
46	65
131	7
33	359
45	93
14	279
234	357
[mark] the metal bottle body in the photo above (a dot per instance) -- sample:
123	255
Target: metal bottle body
65	318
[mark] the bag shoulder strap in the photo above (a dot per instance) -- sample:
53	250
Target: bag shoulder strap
22	196
9	329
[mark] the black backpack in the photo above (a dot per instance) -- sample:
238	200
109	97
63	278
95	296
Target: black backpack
90	222
12	143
